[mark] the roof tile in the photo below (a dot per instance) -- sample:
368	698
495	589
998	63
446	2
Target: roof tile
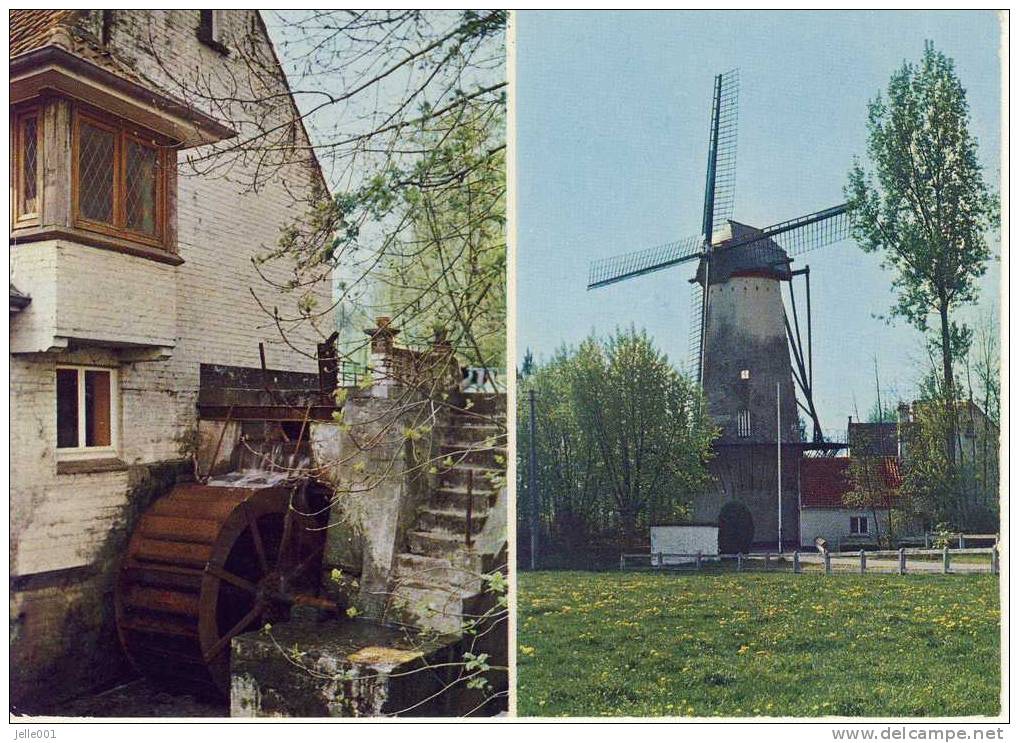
825	480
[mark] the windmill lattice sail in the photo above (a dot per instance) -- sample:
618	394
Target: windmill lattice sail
639	262
720	184
803	234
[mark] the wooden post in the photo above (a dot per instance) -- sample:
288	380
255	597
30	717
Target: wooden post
796	562
468	538
219	444
698	559
767	561
622	561
945	559
328	365
994	560
661	560
962	541
827	563
902	560
739	562
926	540
863	562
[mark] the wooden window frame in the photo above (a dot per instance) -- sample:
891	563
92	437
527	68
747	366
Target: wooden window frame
122	131
21	217
862	526
91	452
210	30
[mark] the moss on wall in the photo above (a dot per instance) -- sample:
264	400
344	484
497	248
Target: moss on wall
63	635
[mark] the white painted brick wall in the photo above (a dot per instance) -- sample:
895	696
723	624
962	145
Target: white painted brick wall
833	524
87	294
58	521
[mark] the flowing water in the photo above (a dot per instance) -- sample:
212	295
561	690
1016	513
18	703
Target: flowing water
262	465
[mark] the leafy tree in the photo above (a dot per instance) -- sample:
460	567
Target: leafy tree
527	365
871	489
931	486
621	438
650	427
924	206
447	268
569	471
964	493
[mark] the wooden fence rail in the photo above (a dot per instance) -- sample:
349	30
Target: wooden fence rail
899	561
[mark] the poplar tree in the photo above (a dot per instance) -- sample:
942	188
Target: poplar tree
924	206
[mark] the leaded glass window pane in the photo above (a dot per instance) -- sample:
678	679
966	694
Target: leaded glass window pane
140	188
29	175
95	173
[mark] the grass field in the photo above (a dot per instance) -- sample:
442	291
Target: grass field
645	644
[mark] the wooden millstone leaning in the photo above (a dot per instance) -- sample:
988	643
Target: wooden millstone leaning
206	564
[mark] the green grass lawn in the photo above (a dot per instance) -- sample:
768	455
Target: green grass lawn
740	645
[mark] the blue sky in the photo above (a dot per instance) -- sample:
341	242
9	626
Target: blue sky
612	122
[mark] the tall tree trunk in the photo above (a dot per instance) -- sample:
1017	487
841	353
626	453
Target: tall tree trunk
949	388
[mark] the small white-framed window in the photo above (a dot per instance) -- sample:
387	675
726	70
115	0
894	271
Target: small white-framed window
87	411
858	525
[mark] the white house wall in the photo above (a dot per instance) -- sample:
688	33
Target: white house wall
62	524
832	524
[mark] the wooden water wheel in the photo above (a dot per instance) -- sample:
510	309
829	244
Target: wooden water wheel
206	564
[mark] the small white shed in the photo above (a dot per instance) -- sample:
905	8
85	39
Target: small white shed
680	544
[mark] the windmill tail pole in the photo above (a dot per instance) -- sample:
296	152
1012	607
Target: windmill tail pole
778	430
704	317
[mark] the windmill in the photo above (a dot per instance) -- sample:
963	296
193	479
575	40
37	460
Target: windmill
749	358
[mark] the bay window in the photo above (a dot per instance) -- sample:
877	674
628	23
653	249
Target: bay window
117	181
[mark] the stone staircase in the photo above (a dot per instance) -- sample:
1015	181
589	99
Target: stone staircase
440	571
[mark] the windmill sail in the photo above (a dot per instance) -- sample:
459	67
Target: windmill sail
720	183
610	270
797	236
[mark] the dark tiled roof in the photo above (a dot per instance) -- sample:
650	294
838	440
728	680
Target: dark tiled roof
874	439
824	481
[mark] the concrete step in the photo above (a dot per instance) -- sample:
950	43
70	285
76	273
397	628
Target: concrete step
438	572
475	454
481	403
482	478
436	609
437	543
451	520
467	429
455	499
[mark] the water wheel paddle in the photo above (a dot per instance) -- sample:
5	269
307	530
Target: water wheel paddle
204	565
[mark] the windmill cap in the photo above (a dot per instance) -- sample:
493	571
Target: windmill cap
764	257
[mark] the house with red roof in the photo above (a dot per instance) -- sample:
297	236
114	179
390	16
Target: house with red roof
824	511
